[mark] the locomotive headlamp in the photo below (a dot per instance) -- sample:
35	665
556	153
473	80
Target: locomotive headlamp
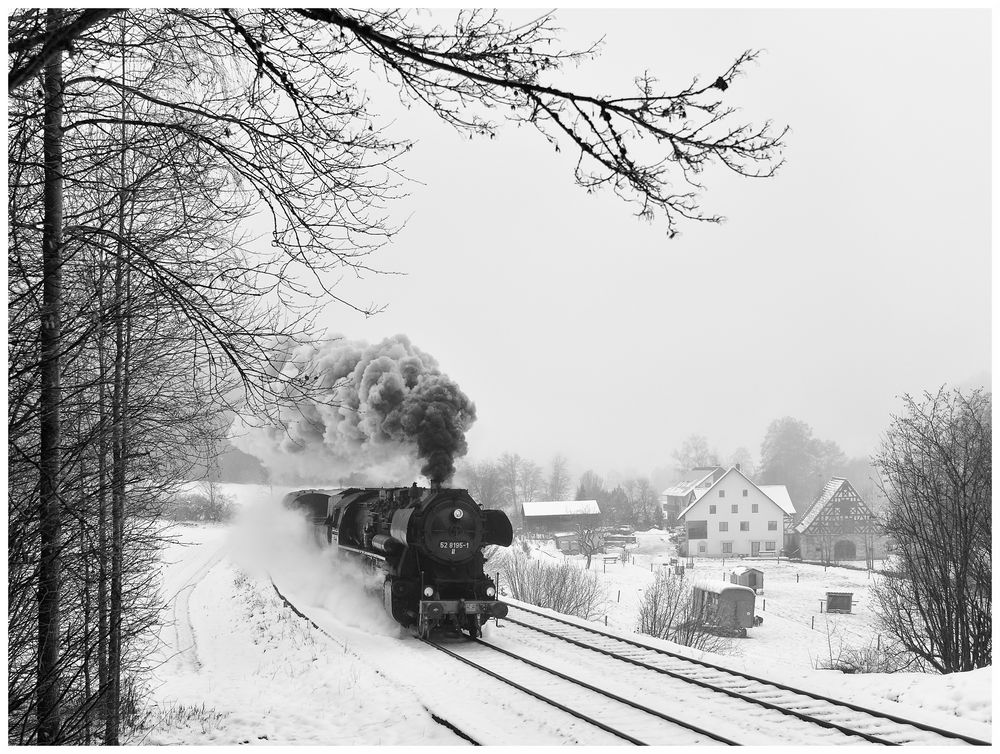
459	513
428	591
490	591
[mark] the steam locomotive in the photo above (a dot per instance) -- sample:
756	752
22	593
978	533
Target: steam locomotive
428	543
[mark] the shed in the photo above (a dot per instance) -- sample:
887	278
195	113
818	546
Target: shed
744	576
839	602
559	515
567	541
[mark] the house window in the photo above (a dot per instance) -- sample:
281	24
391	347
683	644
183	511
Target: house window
754	507
736	509
769	546
701	547
722	493
727	548
744	526
744	493
772	526
697	529
711	509
723	526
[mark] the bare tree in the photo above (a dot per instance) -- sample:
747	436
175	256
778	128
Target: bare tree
557	485
484	483
694	452
936	466
591	540
642	145
50	371
509	469
529	481
668	611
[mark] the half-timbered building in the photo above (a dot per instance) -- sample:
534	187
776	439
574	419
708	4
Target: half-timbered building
839	526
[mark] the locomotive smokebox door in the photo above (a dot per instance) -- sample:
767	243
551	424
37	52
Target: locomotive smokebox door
453	531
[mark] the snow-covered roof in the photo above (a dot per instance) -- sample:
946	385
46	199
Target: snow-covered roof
560	508
740	570
776	493
830	489
779	494
682	488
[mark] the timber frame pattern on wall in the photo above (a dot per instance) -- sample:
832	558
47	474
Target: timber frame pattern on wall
839	526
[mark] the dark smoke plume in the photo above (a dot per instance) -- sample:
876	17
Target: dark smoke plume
360	407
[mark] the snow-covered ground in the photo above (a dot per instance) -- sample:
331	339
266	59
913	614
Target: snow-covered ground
796	638
237	666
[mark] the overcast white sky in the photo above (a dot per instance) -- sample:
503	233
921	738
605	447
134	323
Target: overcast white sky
861	272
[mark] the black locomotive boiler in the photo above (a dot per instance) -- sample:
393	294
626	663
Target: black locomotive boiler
428	543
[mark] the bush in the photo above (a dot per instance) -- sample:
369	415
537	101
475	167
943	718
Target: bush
201	505
887	658
563	587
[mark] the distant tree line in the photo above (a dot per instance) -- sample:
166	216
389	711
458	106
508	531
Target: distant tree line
511	480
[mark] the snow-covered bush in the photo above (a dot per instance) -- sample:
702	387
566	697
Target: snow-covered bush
563	587
875	658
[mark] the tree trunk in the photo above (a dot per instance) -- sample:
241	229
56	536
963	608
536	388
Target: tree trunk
50	523
102	511
112	725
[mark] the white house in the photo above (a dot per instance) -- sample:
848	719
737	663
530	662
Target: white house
736	517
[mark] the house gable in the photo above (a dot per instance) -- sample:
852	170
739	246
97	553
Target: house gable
734	516
714	489
838	510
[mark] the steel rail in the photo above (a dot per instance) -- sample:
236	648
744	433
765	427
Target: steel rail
608	694
437	719
536	695
711	687
739	674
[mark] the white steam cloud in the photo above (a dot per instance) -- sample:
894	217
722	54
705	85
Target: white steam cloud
283	544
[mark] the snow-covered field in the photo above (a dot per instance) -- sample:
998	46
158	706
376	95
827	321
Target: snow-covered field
795	638
237	666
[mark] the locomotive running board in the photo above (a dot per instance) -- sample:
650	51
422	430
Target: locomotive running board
367	554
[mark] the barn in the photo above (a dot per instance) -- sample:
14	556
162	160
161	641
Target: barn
839	526
549	516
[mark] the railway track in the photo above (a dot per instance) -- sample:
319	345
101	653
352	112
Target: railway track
625	718
731	691
653	696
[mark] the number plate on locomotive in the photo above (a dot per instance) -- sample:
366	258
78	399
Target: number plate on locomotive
453	545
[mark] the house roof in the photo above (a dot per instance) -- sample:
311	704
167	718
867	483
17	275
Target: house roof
776	493
560	508
740	570
682	488
779	494
830	489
